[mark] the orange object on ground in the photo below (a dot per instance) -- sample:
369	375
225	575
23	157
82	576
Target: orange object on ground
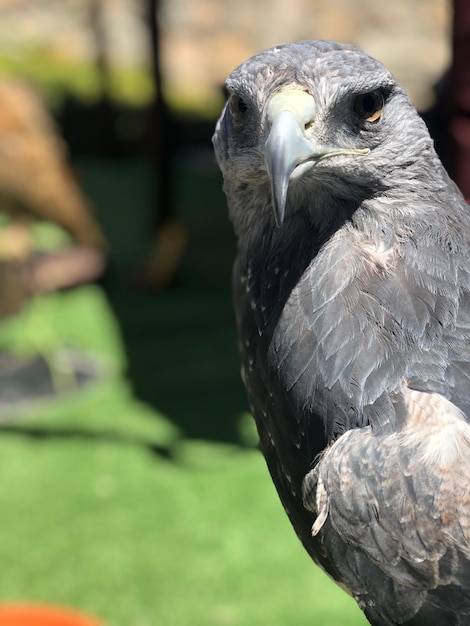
43	615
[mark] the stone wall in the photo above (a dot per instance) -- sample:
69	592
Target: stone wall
206	39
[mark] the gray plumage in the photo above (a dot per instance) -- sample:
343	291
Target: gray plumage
352	298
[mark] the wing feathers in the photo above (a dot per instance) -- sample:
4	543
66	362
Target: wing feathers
408	493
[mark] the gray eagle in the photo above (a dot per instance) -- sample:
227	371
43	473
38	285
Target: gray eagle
352	298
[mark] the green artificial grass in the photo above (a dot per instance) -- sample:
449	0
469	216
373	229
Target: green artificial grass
107	507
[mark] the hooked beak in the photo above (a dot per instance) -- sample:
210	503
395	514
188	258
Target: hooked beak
290	113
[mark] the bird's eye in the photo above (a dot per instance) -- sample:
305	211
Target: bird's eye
369	106
238	107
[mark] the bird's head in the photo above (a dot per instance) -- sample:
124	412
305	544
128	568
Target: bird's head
311	119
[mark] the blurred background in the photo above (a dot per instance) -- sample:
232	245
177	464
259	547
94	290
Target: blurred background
130	483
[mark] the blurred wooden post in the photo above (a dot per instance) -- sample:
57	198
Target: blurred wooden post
170	236
459	97
106	113
161	144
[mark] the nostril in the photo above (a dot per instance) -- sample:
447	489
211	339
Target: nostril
308	125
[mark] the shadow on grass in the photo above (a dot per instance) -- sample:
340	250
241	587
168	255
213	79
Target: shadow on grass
180	344
164	452
182	358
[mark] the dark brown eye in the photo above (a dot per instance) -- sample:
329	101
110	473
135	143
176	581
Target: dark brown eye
238	107
369	106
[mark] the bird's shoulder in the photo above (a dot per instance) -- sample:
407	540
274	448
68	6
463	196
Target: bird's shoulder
362	314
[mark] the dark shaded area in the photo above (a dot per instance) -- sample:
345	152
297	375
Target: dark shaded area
180	342
142	167
449	118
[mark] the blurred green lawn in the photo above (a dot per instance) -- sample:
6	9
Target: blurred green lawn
141	499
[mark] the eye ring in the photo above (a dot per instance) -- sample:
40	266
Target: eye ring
369	106
238	107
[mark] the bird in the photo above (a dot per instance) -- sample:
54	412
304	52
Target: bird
351	290
36	180
37	184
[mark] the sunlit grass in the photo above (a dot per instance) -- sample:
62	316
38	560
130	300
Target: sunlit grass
81	79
